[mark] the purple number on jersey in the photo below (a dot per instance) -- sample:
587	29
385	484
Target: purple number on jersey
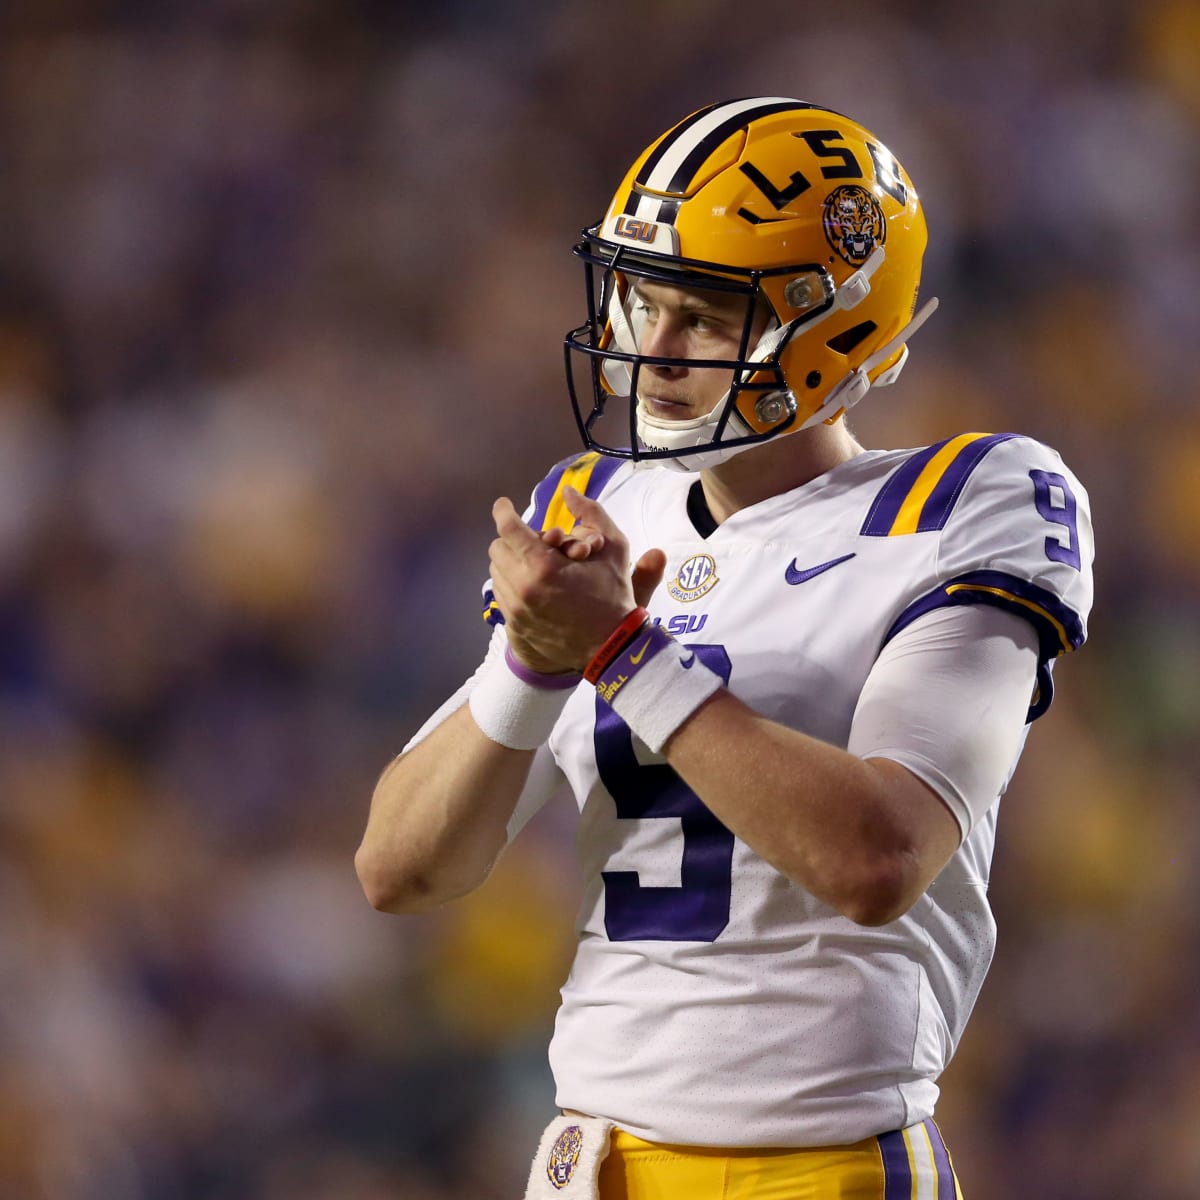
698	910
1063	514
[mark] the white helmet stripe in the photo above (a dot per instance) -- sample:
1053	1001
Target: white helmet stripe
678	158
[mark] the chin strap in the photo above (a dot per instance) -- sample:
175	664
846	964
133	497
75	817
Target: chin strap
858	383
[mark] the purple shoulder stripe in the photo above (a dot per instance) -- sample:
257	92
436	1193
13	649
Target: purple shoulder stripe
937	509
491	610
893	493
546	490
604	469
587	472
909	478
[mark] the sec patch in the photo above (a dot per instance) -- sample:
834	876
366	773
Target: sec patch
696	577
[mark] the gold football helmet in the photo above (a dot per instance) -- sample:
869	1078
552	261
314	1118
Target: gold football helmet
795	207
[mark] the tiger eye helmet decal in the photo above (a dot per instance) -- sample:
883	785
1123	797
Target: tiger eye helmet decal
786	205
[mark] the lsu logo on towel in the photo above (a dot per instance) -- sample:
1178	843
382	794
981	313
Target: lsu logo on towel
564	1156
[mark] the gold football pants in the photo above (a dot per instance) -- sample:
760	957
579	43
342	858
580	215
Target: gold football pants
908	1164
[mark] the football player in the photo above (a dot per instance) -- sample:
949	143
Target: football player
785	678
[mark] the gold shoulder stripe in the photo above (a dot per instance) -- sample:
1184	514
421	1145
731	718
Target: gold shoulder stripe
910	511
558	515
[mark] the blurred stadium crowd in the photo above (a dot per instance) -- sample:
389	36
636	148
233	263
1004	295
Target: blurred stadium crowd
282	287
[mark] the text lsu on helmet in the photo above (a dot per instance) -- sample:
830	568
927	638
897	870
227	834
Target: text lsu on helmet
789	204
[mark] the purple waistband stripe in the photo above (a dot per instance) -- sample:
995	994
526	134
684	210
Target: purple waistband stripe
947	1187
898	1181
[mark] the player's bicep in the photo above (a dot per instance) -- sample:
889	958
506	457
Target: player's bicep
948	699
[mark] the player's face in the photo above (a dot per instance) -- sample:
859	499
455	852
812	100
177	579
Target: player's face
688	323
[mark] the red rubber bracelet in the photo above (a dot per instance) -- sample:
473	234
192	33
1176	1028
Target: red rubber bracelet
615	643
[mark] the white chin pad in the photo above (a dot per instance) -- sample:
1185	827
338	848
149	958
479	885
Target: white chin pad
654	433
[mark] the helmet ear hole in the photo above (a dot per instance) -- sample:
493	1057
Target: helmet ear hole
845	341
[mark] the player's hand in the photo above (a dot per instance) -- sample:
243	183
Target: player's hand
577	545
594	527
561	598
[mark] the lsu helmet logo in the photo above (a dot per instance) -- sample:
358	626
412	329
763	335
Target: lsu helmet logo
564	1156
854	223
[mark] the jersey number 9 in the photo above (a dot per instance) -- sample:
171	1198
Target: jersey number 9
697	910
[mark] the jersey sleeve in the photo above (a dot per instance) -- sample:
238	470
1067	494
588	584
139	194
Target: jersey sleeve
947	698
1015	532
547	509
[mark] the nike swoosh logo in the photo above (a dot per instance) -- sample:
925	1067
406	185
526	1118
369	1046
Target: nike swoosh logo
634	659
794	576
687	662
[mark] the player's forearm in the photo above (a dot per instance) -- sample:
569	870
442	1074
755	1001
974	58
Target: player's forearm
438	817
856	833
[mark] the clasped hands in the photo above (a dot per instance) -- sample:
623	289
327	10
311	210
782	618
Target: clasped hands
563	594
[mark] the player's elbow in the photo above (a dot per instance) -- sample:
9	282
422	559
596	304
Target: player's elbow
381	887
390	889
394	886
882	891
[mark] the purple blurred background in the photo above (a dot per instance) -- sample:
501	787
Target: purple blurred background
282	292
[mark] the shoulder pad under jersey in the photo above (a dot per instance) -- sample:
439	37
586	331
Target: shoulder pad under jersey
1014	530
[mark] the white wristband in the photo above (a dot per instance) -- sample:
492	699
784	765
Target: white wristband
517	707
655	684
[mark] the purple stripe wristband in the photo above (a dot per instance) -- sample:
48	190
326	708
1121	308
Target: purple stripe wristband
548	683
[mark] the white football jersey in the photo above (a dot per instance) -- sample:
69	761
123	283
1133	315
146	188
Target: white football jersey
712	1001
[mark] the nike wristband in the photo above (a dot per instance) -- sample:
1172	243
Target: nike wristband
655	684
630	626
517	707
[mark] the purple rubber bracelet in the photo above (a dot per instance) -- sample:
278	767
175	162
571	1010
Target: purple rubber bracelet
549	683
